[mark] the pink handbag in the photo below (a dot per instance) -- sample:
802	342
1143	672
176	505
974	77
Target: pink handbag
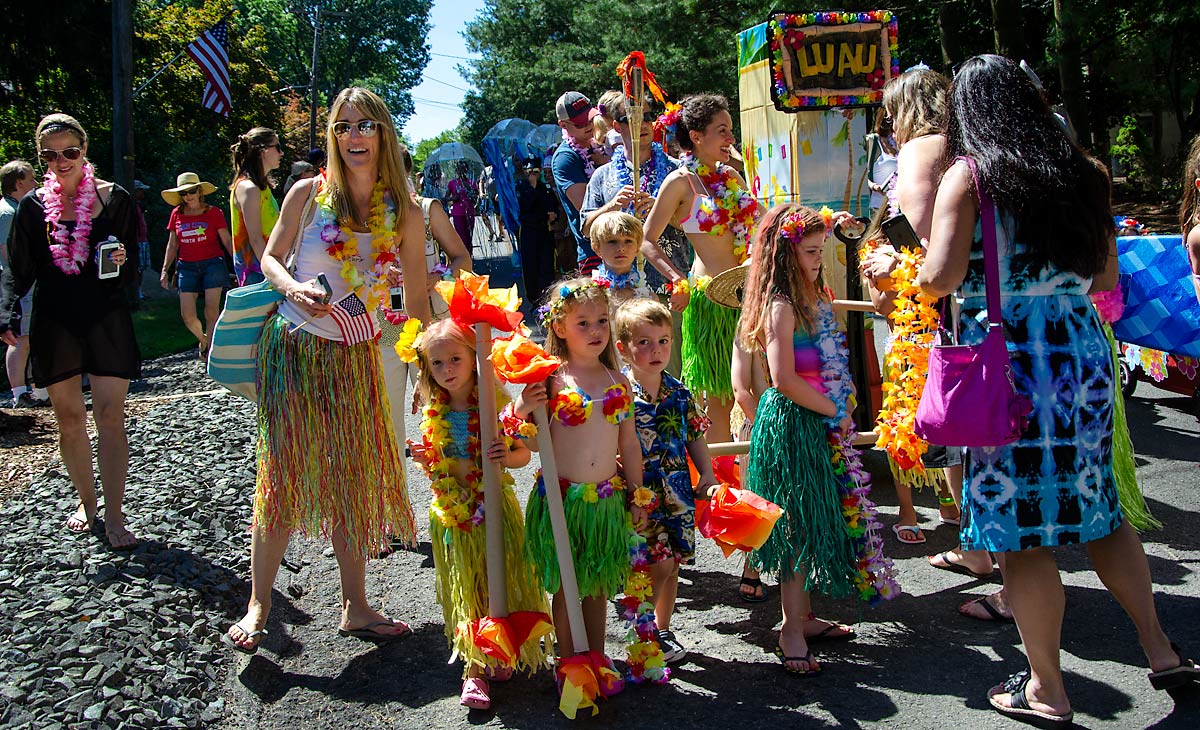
970	398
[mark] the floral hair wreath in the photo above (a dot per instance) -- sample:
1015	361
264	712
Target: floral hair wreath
792	227
550	312
668	121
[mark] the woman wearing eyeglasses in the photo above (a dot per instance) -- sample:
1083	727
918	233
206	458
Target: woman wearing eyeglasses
80	322
252	207
199	240
327	458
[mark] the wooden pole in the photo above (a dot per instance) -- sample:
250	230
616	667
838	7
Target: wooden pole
634	105
562	539
493	492
867	438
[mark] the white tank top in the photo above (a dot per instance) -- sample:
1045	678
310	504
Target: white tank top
312	260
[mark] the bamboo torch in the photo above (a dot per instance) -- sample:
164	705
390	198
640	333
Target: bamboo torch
635	105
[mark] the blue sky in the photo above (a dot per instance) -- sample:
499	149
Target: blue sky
436	98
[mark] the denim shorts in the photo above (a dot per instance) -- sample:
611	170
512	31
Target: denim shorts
196	276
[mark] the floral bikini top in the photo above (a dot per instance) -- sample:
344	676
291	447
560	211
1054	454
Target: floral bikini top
571	406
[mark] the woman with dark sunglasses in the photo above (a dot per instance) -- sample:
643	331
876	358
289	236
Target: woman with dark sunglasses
81	321
198	240
252	208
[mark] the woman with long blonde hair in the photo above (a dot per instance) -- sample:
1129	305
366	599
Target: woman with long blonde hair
327	456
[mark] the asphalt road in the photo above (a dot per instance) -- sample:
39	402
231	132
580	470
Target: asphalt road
916	663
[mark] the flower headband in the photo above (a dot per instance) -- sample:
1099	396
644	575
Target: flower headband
668	121
792	227
550	312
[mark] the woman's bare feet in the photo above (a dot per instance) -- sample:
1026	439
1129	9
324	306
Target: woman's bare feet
245	633
975	563
369	623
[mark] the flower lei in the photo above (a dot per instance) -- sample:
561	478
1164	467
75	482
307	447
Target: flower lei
644	658
342	244
736	208
69	250
456	503
914	321
609	279
874	576
589	167
652	174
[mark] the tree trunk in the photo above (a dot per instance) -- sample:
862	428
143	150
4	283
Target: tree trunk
1007	29
950	30
1070	71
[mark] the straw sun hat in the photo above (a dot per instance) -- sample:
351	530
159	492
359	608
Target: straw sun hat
727	287
186	181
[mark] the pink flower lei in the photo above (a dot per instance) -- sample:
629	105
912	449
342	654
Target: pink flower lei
589	167
69	250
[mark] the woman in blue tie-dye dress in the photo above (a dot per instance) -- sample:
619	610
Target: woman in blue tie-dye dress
1054	486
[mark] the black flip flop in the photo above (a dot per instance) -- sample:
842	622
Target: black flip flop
995	614
1186	673
754	583
368	632
227	640
1020	710
826	634
956	567
808	658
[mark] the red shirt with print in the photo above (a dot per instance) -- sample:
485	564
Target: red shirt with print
197	234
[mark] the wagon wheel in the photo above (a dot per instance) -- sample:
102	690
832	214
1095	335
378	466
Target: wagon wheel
1195	403
1128	378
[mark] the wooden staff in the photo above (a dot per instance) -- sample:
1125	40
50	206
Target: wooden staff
635	105
493	494
562	539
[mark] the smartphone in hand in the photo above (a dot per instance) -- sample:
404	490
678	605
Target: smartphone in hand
108	269
900	233
324	282
396	299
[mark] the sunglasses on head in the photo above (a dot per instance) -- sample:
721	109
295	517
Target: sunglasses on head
647	116
70	153
366	128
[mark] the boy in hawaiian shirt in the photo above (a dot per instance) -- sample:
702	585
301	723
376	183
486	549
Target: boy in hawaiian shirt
670	426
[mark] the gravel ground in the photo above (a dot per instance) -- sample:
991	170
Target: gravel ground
94	638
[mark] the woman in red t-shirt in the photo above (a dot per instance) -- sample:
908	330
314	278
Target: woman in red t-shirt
199	239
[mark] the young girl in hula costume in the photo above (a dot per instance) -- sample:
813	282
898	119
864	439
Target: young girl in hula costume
590	407
801	453
452	455
712	204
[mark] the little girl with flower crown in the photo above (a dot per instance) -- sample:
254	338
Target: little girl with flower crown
801	448
452	455
590	408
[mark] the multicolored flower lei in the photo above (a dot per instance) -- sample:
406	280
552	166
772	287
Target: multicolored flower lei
342	244
609	279
736	208
644	658
875	575
456	503
653	170
914	324
785	30
667	122
69	250
589	167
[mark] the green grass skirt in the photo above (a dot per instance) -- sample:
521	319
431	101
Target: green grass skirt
1124	465
708	333
790	464
599	541
327	457
460	560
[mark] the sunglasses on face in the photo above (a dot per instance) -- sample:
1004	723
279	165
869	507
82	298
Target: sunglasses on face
190	191
70	153
366	128
277	147
646	117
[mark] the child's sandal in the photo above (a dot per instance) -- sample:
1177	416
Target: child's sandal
475	694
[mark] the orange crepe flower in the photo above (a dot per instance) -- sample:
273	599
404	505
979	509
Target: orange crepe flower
502	638
471	302
737	519
520	360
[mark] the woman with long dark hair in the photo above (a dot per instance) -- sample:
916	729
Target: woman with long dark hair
1055	485
252	208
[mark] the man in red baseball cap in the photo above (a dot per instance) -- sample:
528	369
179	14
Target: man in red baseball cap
573	164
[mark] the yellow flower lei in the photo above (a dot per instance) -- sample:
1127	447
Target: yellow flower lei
382	224
914	323
455	504
409	340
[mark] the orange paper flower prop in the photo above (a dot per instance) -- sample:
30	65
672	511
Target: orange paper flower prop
502	638
737	519
471	302
520	360
581	676
637	59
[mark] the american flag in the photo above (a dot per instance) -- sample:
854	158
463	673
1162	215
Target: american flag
355	322
211	51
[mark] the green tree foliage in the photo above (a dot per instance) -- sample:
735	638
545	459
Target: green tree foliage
426	147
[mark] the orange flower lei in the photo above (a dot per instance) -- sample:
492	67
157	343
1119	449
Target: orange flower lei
914	323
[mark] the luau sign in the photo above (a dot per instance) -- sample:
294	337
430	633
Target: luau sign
826	60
